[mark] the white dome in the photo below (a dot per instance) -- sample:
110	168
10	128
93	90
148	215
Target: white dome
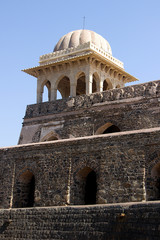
78	37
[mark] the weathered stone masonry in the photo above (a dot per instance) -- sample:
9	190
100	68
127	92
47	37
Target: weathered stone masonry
129	108
126	165
103	222
97	146
121	161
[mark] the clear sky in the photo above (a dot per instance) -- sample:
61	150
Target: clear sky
31	28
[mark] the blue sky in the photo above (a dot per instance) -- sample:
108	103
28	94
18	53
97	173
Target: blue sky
32	28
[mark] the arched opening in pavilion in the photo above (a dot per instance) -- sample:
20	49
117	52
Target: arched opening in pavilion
81	84
107	128
107	85
64	87
59	96
25	189
46	91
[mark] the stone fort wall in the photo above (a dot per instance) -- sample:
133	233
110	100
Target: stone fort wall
129	108
126	165
123	163
138	221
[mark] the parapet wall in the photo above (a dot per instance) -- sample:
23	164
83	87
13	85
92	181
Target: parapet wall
132	221
129	108
146	90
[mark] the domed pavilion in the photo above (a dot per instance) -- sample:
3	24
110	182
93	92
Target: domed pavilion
81	63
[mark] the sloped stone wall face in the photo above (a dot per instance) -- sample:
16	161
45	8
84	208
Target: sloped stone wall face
129	108
117	222
122	163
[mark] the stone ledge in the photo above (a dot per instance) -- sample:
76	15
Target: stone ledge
125	205
80	140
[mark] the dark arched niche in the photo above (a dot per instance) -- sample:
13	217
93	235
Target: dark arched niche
87	186
24	190
107	128
51	136
111	129
90	188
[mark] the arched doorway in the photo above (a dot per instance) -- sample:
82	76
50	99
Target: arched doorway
24	190
90	188
86	186
107	128
81	84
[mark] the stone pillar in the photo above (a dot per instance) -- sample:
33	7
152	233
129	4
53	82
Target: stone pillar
113	83
39	92
73	89
49	94
53	94
89	80
39	97
101	86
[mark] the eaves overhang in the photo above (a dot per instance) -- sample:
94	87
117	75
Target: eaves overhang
71	55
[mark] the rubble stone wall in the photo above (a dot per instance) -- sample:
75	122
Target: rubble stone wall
138	221
129	108
122	162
